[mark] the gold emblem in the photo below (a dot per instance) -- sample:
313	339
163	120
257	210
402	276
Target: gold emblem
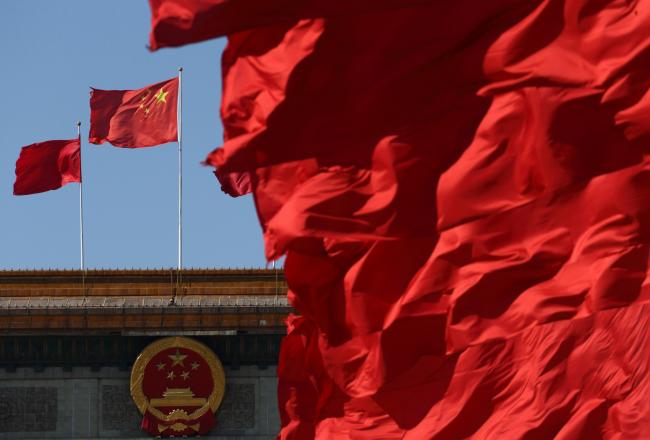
177	381
146	102
161	96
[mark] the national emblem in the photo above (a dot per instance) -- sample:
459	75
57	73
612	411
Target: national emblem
175	400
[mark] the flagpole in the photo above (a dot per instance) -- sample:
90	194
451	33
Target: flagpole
275	301
81	215
81	201
180	169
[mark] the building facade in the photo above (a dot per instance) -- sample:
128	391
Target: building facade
68	342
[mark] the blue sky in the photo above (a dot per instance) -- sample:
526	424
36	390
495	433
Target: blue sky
52	52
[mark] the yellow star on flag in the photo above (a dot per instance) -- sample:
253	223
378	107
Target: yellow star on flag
177	358
171	375
185	375
161	96
195	365
160	366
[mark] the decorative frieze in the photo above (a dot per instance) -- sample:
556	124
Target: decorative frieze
237	410
28	409
68	351
118	410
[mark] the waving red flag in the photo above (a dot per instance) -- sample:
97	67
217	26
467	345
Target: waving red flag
462	190
135	118
235	184
179	22
47	165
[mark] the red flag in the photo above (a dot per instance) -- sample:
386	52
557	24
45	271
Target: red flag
179	22
462	191
47	165
235	184
135	118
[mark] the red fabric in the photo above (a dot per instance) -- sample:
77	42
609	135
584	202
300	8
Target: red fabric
305	391
179	22
586	378
462	192
135	118
235	184
297	392
47	165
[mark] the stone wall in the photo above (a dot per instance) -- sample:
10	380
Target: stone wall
96	404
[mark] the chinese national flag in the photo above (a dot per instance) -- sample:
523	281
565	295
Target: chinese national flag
462	193
47	165
135	118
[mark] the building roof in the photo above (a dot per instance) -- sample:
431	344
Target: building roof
147	301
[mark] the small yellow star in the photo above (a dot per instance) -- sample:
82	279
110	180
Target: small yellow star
185	375
161	96
195	365
160	366
177	358
147	110
171	375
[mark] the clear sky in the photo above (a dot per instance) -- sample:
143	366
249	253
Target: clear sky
52	52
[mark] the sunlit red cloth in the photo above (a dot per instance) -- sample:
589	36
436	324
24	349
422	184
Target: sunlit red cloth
135	118
235	184
462	191
48	165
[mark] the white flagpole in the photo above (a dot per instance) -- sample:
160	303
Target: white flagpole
276	283
180	169
81	202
